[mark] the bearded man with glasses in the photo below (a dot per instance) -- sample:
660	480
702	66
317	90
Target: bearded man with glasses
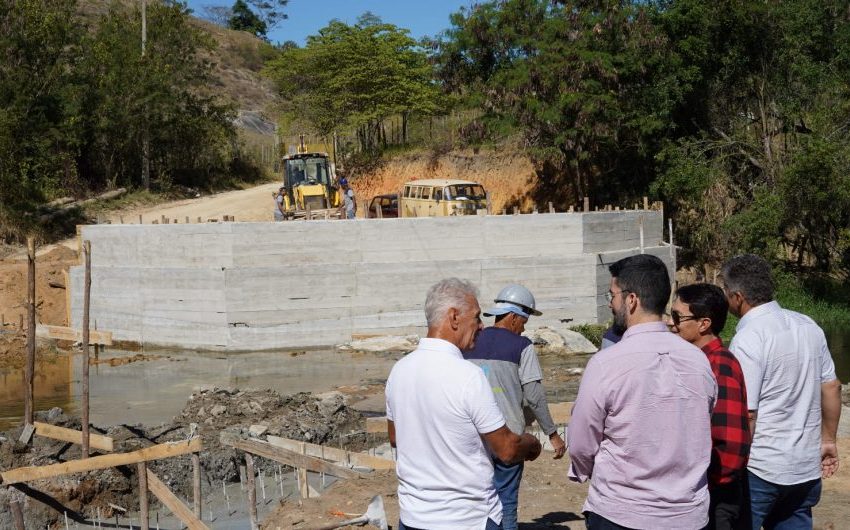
698	315
641	425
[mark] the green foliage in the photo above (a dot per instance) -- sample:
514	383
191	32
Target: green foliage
592	332
354	76
243	19
77	105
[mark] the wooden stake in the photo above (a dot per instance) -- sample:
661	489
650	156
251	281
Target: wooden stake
196	483
17	515
302	475
646	203
121	219
29	371
199	220
140	219
586	204
252	491
516	210
641	234
143	495
187	219
86	309
551	207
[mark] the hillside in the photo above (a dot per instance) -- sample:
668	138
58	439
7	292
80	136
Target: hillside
236	60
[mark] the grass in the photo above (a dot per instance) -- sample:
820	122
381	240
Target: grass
592	332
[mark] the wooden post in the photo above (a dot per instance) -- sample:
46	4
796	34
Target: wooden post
199	220
86	309
252	491
489	204
196	483
551	207
187	219
379	212
309	215
121	219
144	515
17	515
534	208
140	219
586	204
29	371
516	210
302	475
640	221
646	203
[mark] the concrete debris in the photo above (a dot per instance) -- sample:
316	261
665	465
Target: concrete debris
387	343
548	340
323	419
575	371
257	430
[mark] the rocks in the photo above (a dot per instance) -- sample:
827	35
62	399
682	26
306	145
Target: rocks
216	411
388	343
550	340
845	394
257	430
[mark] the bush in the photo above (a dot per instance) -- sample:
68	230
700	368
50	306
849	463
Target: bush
592	332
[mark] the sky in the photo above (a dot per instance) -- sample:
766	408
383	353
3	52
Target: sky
306	17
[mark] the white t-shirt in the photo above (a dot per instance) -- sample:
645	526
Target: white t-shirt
441	404
785	359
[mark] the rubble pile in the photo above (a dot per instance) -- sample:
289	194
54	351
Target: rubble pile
322	419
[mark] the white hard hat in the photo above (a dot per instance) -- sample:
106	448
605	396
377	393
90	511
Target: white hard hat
514	299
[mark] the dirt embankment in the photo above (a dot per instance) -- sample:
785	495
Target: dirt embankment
50	298
322	418
508	176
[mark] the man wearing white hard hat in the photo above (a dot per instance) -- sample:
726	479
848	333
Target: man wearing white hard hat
510	363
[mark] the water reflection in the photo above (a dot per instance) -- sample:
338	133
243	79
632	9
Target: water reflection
53	388
153	391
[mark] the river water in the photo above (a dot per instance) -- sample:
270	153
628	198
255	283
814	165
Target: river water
153	391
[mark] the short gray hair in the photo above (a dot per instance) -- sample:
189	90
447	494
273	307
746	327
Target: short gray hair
749	275
445	294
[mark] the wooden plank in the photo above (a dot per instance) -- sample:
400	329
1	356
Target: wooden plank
285	456
155	452
376	425
180	510
561	412
65	333
96	441
67	277
250	483
144	513
333	454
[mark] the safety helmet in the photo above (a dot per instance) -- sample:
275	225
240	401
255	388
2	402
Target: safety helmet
514	299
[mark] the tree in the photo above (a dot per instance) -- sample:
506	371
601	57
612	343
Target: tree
243	19
355	76
573	77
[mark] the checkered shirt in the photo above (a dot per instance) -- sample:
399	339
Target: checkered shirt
730	430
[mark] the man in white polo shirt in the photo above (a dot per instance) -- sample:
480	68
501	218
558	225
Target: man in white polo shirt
440	413
793	397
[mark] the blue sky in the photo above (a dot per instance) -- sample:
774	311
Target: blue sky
306	17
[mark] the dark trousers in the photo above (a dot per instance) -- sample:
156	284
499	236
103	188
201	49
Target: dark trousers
594	521
727	508
782	507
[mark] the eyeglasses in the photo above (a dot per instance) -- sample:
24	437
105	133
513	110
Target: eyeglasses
610	295
678	319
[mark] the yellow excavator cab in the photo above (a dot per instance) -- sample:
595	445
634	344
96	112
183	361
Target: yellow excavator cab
310	182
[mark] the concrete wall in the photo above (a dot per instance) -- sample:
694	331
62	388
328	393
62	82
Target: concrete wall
255	286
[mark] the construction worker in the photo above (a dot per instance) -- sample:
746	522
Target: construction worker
281	204
349	203
510	363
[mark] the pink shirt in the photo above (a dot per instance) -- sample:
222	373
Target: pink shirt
641	431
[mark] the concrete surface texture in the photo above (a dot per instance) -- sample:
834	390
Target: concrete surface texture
259	286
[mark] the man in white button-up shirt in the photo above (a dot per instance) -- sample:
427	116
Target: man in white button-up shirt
442	417
793	396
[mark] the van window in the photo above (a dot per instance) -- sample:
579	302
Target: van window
426	192
467	192
407	191
438	194
417	192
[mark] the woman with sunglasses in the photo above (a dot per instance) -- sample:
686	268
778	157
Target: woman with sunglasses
698	315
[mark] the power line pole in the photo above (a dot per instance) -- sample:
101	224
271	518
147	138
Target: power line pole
146	175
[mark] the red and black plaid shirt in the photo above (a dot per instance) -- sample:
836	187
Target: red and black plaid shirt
730	429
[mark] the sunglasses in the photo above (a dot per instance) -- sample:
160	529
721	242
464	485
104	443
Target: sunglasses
679	318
